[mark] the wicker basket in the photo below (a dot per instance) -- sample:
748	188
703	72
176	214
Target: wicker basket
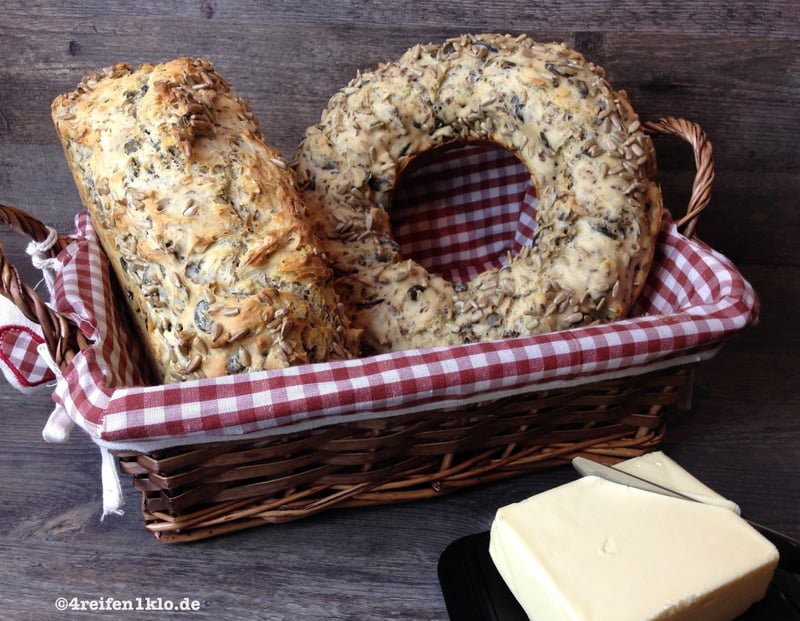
199	491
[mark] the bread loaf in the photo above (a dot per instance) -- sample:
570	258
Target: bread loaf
598	211
201	221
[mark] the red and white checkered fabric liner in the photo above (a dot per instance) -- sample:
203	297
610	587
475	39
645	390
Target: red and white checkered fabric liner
693	300
451	211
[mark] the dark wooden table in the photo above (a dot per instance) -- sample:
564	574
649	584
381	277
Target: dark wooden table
734	67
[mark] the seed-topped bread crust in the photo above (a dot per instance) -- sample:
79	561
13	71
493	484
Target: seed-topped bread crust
201	221
598	212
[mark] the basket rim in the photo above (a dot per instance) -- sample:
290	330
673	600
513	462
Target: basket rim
204	438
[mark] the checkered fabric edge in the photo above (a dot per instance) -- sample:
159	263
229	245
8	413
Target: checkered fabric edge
18	352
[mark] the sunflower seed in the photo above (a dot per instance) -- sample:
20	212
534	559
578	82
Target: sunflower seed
193	364
239	334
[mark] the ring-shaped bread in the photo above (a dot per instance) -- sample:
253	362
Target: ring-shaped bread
593	167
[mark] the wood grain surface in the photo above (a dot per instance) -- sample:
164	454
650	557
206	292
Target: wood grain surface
732	66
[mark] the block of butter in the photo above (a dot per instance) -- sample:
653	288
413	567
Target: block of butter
593	550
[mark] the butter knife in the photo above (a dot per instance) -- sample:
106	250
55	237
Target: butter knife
788	547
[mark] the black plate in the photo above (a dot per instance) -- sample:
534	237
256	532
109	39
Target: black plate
474	591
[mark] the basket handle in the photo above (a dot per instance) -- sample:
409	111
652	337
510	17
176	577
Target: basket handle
62	337
704	165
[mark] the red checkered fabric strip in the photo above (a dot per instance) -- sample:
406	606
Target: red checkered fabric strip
18	351
693	300
83	291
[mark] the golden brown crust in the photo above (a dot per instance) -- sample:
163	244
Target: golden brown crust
201	221
593	168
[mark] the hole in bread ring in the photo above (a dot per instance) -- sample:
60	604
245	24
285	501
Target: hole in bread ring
593	168
461	209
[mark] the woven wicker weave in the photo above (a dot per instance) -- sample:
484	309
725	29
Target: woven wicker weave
195	492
